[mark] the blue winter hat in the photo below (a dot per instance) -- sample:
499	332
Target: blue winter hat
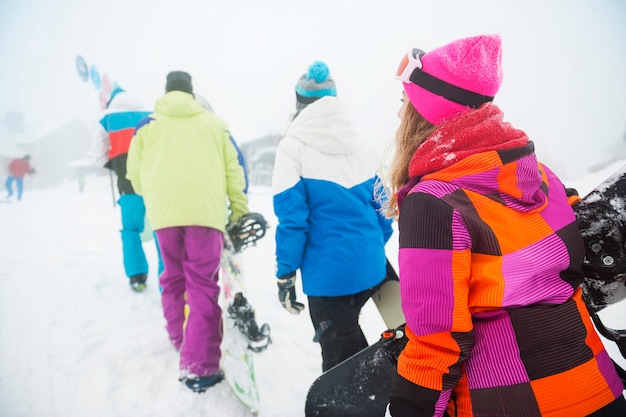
316	83
115	92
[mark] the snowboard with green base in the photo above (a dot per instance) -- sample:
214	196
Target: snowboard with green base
387	299
242	337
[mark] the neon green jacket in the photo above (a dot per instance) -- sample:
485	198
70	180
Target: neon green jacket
183	163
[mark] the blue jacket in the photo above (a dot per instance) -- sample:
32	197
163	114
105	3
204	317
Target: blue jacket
115	129
329	223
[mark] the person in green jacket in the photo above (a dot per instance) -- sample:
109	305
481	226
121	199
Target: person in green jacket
183	162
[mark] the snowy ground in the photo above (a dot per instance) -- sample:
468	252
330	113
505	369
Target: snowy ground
75	341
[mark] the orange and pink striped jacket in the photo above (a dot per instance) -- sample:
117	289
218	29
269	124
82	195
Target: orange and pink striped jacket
490	266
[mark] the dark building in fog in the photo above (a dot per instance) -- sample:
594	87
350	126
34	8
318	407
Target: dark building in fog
259	154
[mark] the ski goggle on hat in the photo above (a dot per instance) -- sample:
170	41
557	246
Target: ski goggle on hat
410	62
410	71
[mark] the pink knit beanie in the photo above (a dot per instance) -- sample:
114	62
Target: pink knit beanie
456	78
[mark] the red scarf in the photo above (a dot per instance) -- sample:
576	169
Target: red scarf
478	131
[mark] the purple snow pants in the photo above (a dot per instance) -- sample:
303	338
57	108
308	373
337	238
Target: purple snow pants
191	256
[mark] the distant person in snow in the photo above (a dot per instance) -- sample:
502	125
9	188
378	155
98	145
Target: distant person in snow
18	168
112	139
184	162
329	224
490	256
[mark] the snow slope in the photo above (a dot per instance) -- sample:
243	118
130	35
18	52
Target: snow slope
75	341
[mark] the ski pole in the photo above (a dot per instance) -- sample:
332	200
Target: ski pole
112	190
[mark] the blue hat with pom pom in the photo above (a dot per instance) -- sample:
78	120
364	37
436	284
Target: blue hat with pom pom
316	83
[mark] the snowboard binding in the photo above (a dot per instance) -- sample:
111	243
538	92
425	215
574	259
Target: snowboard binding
248	229
604	265
243	314
395	340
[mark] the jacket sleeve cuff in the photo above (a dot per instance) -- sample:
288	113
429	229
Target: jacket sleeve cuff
411	400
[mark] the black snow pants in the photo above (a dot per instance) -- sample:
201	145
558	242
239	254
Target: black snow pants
336	323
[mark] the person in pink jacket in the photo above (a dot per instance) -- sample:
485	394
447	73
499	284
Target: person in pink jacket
18	168
490	256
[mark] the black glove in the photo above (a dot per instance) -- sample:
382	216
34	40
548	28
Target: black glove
231	228
287	293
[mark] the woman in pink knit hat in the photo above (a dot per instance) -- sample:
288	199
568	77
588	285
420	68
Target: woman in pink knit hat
490	256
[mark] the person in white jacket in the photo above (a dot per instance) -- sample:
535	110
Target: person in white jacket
329	224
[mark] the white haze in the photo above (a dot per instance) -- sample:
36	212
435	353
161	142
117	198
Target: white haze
563	60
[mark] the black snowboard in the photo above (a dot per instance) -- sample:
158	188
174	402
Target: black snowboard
359	386
601	217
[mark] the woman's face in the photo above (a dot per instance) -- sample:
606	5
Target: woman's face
405	101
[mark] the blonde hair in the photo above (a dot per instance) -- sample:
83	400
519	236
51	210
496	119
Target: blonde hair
411	133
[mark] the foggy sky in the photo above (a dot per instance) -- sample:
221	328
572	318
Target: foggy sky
564	61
